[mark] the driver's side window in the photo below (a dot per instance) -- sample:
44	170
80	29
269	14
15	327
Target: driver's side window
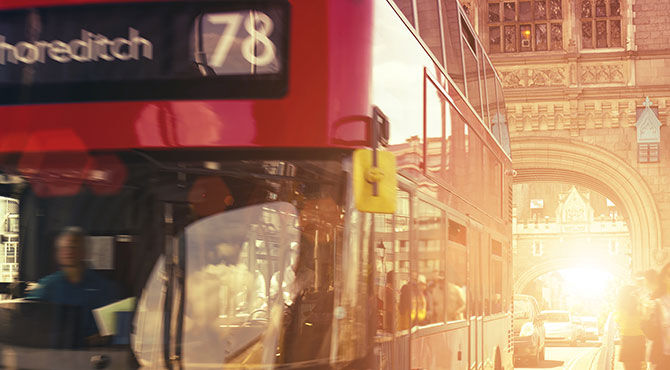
147	340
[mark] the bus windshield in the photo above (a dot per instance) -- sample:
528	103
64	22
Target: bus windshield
244	251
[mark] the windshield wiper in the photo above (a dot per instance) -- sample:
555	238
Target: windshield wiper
168	358
180	280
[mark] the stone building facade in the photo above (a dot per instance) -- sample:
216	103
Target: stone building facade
578	77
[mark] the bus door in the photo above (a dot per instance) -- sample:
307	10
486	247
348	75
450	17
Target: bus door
475	296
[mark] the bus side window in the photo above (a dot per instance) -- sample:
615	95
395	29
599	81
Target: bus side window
9	240
429	26
438	132
431	264
452	41
456	271
403	257
392	263
386	291
496	277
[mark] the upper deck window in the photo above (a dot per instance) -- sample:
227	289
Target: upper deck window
452	42
173	50
525	25
407	9
429	26
468	37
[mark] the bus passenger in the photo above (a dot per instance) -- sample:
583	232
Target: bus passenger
435	300
412	306
406	307
424	305
76	284
389	313
455	302
298	277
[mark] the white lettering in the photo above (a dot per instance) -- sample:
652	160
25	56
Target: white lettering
81	49
257	35
26	52
147	50
232	22
60	51
116	48
41	45
8	51
102	43
90	48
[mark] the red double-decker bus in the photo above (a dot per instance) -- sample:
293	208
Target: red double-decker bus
206	184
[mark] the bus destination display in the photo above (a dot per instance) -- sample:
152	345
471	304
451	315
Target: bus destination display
175	50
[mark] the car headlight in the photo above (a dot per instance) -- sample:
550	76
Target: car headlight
527	330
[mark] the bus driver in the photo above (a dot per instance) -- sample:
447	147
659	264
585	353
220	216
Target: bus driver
75	284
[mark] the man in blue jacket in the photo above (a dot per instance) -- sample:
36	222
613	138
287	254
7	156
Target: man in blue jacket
75	284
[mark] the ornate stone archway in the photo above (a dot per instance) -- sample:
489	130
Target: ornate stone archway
570	161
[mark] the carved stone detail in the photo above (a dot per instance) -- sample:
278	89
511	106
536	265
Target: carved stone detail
623	118
559	117
543	77
606	114
574	116
601	74
648	125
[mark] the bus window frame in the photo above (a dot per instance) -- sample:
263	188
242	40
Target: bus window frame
421	197
494	279
452	188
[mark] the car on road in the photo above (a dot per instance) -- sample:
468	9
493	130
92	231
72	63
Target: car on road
580	331
559	327
591	331
529	338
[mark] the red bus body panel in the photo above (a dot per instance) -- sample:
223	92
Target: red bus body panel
329	64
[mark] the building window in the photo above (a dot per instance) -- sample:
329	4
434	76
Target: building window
601	24
613	247
525	25
648	133
537	249
536	209
647	152
13	224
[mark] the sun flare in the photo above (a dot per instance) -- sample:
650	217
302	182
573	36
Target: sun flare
586	282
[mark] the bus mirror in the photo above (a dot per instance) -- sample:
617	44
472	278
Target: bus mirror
366	175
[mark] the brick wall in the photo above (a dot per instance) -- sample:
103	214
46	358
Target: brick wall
652	24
